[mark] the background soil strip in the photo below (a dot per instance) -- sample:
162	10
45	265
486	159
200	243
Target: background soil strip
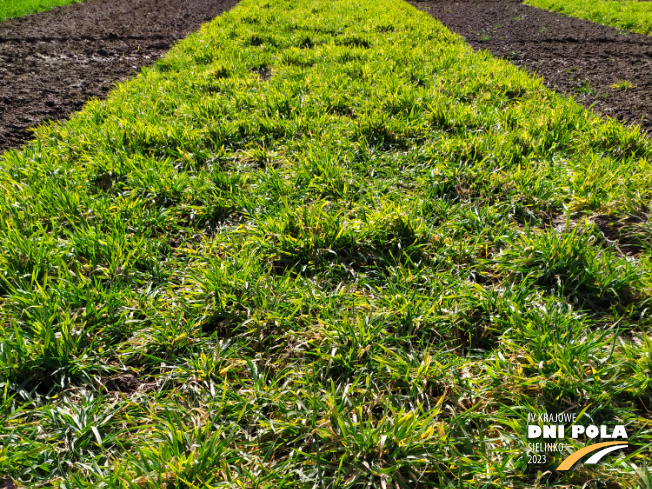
53	62
576	57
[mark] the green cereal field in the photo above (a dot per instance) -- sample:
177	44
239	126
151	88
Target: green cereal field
323	244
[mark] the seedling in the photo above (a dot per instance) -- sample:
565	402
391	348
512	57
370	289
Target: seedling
623	85
584	88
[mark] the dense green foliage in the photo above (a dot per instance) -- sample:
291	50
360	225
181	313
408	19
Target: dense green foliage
630	15
16	8
322	243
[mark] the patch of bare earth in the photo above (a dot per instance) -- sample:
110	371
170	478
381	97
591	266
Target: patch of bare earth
53	62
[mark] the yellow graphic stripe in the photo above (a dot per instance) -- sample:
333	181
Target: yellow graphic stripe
574	457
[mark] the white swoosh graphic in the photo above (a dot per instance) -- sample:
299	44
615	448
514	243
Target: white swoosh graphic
596	457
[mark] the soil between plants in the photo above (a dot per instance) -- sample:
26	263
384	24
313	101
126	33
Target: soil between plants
575	57
51	63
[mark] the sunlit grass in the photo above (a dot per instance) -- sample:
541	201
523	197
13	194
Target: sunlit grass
17	8
630	15
322	244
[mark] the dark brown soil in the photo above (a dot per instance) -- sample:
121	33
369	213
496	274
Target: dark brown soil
574	56
53	62
130	383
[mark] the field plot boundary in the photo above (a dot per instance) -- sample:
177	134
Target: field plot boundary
30	7
53	62
600	66
634	16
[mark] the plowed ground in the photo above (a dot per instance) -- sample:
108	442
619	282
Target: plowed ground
52	63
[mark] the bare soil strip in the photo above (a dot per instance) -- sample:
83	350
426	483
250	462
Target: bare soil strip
53	62
574	56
